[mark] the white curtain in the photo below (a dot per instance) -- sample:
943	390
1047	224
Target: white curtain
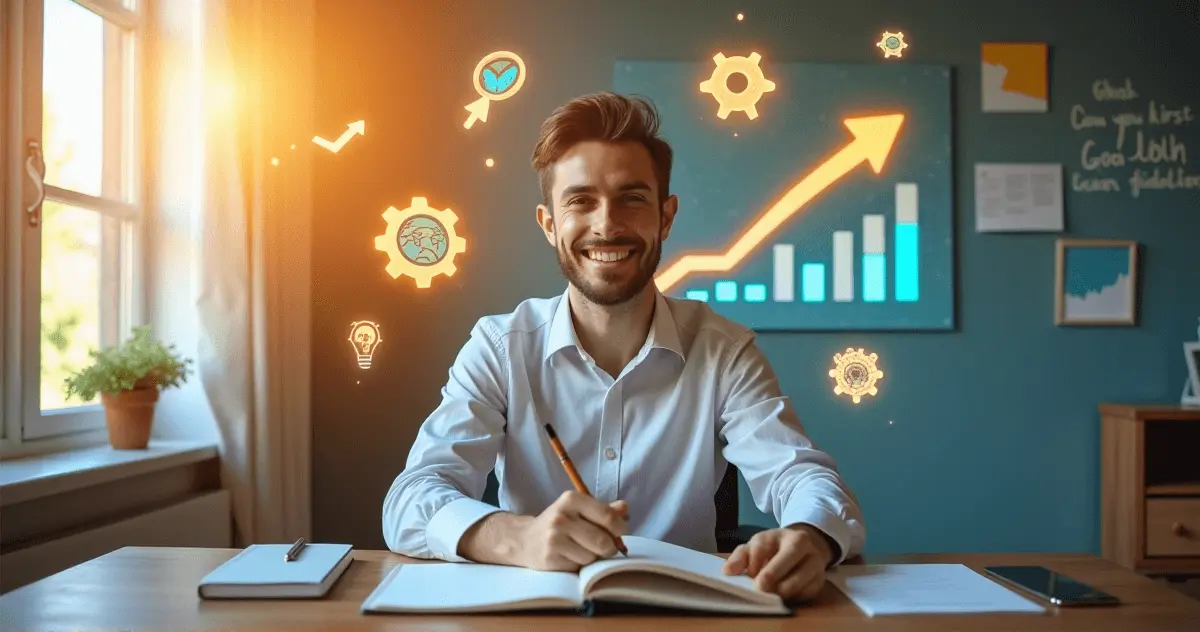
249	65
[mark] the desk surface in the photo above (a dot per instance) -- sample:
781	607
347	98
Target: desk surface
139	588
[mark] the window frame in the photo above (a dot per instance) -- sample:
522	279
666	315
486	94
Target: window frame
27	429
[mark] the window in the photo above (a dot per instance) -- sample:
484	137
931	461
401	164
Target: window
72	206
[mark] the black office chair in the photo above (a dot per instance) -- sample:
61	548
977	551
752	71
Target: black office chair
729	533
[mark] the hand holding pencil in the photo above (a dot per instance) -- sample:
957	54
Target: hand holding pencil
619	507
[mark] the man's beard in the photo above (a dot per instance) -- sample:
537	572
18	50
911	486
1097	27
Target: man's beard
611	288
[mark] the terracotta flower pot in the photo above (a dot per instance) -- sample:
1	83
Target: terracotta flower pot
129	416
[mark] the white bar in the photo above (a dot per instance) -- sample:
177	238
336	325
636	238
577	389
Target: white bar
843	266
873	235
104	206
785	273
906	203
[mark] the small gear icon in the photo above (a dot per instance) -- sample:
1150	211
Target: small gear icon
420	242
744	101
855	373
892	44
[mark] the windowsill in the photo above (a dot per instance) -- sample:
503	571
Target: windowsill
38	476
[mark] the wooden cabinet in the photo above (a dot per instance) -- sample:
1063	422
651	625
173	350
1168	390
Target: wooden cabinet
1150	488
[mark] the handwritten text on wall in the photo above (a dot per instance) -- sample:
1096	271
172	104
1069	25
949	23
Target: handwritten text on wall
1132	144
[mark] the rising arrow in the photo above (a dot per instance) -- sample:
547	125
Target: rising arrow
357	127
873	140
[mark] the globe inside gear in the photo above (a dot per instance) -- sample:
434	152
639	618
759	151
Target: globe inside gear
744	101
855	373
420	242
892	44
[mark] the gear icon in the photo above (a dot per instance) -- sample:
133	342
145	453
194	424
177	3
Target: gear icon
855	373
420	242
744	101
892	44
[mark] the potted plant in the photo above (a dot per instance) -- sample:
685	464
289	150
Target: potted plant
128	378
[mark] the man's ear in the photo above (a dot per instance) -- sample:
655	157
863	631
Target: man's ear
545	220
669	207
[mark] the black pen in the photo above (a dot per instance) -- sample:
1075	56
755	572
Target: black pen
294	552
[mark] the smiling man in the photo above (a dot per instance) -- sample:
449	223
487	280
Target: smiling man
652	397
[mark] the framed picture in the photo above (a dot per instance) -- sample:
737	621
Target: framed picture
1015	77
1095	282
1191	391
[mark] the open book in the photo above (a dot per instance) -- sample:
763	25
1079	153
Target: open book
655	574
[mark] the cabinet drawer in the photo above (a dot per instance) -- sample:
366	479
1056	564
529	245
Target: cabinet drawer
1172	527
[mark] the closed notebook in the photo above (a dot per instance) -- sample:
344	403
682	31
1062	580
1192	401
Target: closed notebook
261	572
656	574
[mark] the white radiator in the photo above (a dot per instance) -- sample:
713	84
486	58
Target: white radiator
201	521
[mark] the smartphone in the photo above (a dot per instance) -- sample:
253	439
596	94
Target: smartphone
1049	586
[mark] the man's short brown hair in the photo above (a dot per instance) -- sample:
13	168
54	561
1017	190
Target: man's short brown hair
603	116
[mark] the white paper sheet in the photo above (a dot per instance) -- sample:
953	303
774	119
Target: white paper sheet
884	589
1018	198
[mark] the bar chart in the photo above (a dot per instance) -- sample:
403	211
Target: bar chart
868	247
839	274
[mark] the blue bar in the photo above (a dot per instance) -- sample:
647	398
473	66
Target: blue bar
754	292
874	278
697	295
907	272
725	291
812	283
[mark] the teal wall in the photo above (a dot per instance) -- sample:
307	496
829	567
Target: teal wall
982	439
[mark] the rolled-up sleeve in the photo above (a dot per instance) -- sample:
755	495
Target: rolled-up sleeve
435	499
788	476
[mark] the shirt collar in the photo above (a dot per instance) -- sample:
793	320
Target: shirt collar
664	334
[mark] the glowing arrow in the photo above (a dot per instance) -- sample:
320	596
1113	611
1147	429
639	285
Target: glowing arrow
873	140
478	109
357	127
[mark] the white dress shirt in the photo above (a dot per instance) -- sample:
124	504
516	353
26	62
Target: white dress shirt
698	395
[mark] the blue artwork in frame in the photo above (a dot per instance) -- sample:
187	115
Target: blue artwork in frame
1096	282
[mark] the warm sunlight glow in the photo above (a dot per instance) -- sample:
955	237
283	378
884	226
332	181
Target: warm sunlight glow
420	242
892	44
744	101
73	97
72	238
497	77
220	94
855	374
357	127
364	336
274	162
489	162
740	17
873	140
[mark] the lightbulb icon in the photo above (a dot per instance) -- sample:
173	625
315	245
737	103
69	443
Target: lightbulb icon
364	335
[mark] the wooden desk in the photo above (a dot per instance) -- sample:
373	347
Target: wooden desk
138	588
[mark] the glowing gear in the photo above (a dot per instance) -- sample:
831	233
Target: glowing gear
855	374
433	239
892	44
744	101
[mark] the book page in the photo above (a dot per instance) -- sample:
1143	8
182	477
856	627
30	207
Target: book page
674	561
467	587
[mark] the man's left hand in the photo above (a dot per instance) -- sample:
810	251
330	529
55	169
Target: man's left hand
789	562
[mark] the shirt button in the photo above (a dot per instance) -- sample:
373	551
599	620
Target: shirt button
610	454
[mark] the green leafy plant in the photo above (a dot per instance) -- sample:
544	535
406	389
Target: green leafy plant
138	362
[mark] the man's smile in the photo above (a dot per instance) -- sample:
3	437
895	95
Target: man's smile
608	254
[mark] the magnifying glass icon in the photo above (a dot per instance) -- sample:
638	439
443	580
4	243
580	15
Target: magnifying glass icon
498	76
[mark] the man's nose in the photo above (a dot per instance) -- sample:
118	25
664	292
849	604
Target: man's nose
606	221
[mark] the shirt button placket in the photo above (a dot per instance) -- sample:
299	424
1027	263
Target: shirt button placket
610	444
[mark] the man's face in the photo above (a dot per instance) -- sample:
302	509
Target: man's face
605	219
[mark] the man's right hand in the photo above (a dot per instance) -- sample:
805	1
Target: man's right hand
574	531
